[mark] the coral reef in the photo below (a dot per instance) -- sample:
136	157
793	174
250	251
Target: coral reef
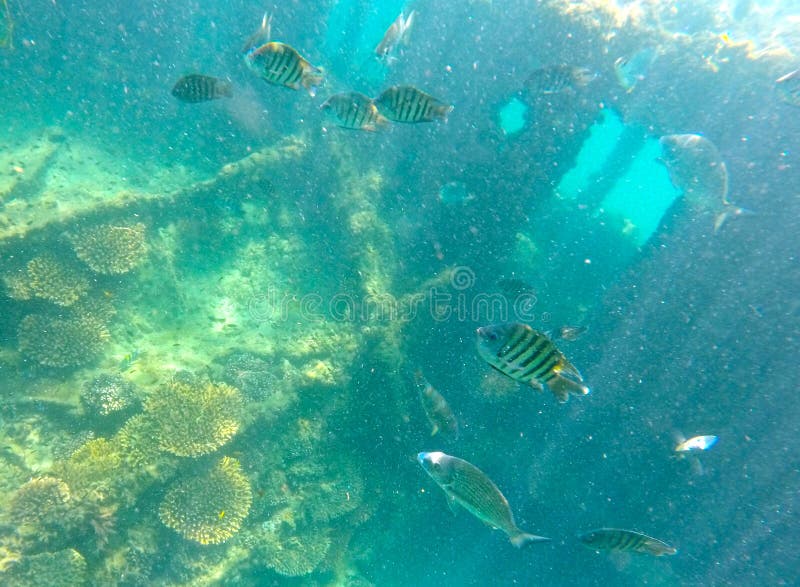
195	418
108	394
208	509
63	568
110	249
70	340
47	278
253	375
292	553
39	508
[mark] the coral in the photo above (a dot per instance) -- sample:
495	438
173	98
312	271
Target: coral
195	418
62	341
293	554
39	508
325	492
64	568
108	394
93	469
110	248
253	375
47	278
209	509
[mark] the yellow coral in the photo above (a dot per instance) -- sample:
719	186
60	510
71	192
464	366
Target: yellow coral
47	278
56	341
64	568
194	419
110	248
209	509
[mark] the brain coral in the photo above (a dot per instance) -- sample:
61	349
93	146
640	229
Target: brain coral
110	248
63	568
195	418
62	341
47	278
209	509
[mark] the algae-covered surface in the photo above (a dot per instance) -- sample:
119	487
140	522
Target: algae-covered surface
228	327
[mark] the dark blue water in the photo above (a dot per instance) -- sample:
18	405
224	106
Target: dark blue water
293	276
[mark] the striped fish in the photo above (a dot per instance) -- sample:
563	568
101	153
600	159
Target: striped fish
554	79
281	65
466	485
528	356
196	88
355	111
408	104
626	540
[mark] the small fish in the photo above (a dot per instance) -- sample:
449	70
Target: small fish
624	540
395	35
528	356
438	411
128	360
408	104
281	65
631	70
196	88
355	111
261	36
696	443
789	87
695	166
571	332
466	485
555	79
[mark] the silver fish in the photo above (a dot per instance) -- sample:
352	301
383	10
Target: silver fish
197	88
281	65
571	332
631	70
438	411
695	166
466	485
617	539
529	356
408	104
355	111
395	35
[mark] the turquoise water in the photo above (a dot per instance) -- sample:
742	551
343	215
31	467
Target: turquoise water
213	314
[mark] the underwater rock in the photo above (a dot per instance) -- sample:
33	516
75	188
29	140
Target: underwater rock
63	568
195	418
208	509
253	375
110	249
47	278
108	395
62	341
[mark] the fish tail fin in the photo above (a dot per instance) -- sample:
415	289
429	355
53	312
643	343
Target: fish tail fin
313	79
226	89
563	386
729	211
523	539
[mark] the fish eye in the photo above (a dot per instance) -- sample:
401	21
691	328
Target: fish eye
492	336
437	466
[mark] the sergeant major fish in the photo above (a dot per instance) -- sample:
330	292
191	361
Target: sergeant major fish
466	485
438	411
197	88
408	104
554	79
623	540
529	356
395	35
281	65
355	111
